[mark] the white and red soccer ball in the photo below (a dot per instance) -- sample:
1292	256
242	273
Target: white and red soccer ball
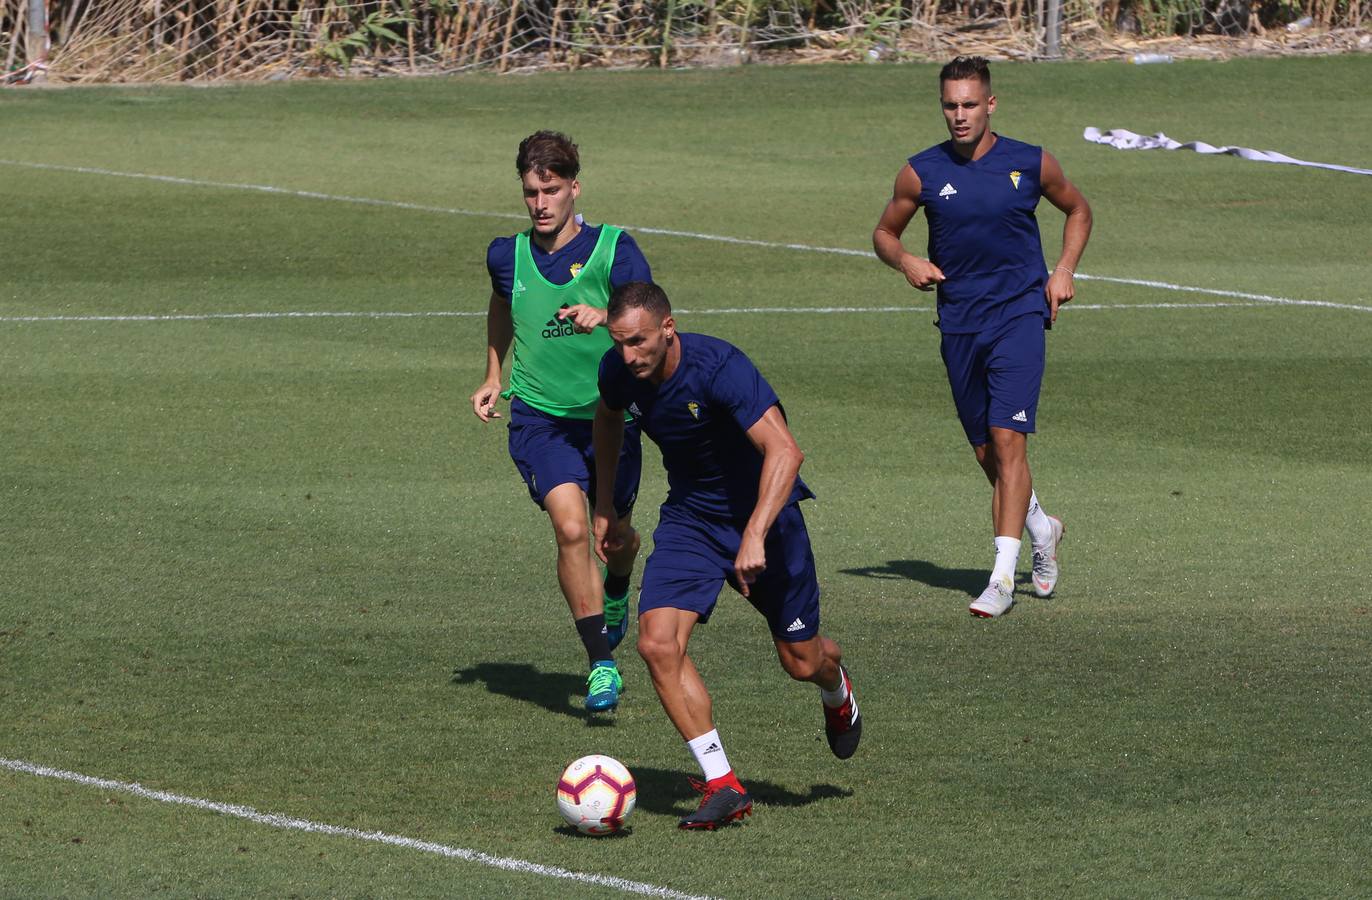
596	794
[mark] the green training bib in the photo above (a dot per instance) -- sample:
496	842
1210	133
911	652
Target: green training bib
555	369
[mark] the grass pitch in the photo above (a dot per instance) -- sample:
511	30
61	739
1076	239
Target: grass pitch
276	562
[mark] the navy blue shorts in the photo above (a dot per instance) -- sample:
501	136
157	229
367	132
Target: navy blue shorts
996	376
693	557
550	450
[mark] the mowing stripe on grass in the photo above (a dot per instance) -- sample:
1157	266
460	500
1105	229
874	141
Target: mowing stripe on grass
293	824
717	238
736	310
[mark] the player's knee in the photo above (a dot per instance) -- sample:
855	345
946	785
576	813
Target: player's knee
571	532
801	668
1007	441
1010	449
630	541
657	651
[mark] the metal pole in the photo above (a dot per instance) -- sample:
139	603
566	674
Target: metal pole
1053	40
38	40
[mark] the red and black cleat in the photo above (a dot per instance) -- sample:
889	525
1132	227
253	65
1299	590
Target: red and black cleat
843	726
720	806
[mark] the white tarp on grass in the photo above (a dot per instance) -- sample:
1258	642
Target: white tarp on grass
1128	140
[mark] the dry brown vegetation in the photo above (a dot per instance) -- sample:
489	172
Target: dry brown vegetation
160	40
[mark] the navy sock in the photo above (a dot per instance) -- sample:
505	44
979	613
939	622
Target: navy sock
616	585
592	631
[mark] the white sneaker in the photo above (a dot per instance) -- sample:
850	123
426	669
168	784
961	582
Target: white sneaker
1046	561
995	601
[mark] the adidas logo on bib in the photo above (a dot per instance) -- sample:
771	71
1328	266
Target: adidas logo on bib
555	327
948	191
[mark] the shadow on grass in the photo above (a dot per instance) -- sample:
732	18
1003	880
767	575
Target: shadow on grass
668	793
970	581
557	692
569	831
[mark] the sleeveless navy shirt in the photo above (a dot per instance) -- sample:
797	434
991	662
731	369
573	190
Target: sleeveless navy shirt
983	234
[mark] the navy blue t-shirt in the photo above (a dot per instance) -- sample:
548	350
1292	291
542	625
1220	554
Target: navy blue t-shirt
983	234
699	418
629	264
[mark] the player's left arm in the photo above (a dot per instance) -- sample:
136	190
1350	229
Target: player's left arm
781	460
607	437
629	265
1075	231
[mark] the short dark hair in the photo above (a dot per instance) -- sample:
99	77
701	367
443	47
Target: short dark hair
965	67
642	295
548	151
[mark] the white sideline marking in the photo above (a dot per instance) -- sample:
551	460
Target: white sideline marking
204	317
262	188
292	824
717	238
1215	292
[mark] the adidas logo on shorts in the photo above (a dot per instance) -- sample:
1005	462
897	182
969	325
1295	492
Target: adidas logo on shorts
797	625
1019	417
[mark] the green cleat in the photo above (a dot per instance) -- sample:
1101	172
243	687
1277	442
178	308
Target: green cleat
603	686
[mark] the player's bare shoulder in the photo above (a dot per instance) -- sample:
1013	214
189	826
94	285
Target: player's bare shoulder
1056	187
908	185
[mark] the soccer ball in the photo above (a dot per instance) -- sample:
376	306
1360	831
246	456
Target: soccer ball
596	794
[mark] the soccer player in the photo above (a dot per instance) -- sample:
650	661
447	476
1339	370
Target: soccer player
978	191
732	514
549	287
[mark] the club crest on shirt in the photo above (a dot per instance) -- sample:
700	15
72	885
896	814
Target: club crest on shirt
694	409
1014	179
576	267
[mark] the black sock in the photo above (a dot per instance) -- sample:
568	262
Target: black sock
592	631
616	585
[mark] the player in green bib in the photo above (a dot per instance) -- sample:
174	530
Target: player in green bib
549	289
550	373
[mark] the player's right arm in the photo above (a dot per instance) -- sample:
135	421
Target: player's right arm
499	335
920	272
607	437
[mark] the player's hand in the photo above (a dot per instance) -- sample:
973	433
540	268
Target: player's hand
1061	289
605	534
921	273
585	319
484	400
750	562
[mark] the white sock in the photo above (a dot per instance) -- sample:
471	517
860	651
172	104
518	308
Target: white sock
1040	529
708	750
834	699
1007	557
